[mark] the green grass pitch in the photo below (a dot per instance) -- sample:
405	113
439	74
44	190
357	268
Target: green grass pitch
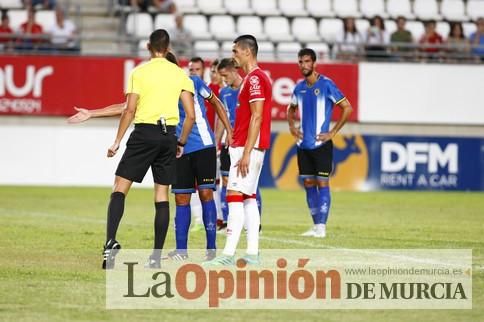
51	238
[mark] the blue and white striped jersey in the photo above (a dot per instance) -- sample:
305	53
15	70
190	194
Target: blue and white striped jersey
229	96
201	136
315	104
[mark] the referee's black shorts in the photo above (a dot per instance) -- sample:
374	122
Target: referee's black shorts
316	163
224	161
148	147
196	169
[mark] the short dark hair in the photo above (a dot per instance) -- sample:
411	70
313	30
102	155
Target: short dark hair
159	40
215	63
197	59
248	41
171	58
401	18
226	63
307	52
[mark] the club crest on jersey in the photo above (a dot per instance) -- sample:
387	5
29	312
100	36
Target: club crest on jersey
317	91
254	85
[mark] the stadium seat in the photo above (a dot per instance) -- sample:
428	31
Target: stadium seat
251	25
165	21
319	8
206	49
346	8
371	8
443	28
293	8
266	51
139	24
454	10
321	49
277	29
212	7
226	49
142	49
198	26
187	6
416	28
426	9
46	18
397	8
17	17
265	7
222	27
305	30
475	9
238	7
362	25
11	4
469	28
330	28
287	51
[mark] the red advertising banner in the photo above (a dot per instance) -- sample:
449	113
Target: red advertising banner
52	85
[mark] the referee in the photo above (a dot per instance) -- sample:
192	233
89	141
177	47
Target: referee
152	96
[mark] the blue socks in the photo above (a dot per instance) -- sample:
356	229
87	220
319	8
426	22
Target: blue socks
209	214
312	199
258	198
324	204
223	203
182	224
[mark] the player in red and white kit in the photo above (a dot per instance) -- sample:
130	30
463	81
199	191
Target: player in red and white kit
251	137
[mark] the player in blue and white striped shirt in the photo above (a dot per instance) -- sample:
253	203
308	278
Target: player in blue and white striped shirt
314	98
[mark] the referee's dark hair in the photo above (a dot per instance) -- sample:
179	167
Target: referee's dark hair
307	52
159	41
198	59
248	41
226	63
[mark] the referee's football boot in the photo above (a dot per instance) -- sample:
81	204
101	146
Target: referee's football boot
111	249
153	262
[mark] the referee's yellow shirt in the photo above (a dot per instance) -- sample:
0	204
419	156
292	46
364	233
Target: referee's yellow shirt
158	83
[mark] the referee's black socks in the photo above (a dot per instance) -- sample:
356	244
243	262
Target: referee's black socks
162	221
115	213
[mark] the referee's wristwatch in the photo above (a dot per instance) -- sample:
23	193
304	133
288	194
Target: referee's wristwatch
181	144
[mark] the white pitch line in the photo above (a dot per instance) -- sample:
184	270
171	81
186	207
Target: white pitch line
290	241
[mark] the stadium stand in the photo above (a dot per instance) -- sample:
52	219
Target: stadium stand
213	22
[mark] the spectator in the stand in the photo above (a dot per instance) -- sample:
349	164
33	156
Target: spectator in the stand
136	5
165	6
5	41
63	32
349	40
40	4
457	42
401	37
30	27
181	39
431	37
376	39
477	40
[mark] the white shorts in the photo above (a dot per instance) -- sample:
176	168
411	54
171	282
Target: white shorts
248	184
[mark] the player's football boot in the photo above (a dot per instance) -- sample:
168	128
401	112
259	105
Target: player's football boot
222	260
111	249
210	254
310	233
177	255
250	259
320	231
